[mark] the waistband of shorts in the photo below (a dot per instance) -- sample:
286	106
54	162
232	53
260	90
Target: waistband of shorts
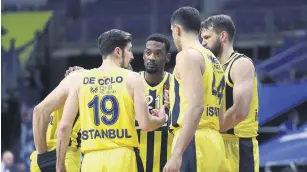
110	149
175	131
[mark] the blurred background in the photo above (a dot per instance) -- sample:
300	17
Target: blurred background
42	38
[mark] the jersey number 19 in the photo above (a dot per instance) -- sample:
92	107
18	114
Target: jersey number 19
108	106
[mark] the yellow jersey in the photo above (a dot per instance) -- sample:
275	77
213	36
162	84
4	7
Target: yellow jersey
106	110
52	131
249	126
213	85
155	147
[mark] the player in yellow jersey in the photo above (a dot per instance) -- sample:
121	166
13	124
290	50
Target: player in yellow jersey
109	98
240	121
46	118
155	146
199	84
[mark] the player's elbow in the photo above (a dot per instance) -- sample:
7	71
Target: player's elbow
144	126
198	108
36	111
64	129
241	114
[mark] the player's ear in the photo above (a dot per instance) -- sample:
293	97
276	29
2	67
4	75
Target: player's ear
168	57
118	52
177	29
223	36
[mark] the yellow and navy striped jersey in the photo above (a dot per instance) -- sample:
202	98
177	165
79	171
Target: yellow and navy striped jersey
52	131
106	110
155	146
249	126
213	86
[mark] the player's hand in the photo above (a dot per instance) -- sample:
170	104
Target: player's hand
71	69
166	98
173	164
160	113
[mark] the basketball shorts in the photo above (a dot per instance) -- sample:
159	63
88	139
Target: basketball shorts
242	154
113	160
47	161
204	153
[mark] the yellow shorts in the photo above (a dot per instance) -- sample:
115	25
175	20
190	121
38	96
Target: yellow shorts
204	153
72	161
242	154
112	160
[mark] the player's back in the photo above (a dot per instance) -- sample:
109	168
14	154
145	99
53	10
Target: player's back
106	111
213	86
197	157
52	131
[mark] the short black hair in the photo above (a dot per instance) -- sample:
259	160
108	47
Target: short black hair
160	38
220	23
111	39
188	18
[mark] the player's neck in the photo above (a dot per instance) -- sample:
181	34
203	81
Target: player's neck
189	40
109	64
226	53
154	78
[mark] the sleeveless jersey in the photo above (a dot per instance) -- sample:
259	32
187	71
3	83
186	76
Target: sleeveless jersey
52	131
106	109
213	86
155	147
249	126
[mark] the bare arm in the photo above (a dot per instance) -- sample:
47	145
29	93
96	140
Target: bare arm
146	121
65	127
41	113
189	65
242	74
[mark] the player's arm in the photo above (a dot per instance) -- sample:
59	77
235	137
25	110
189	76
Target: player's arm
65	127
146	121
41	113
242	74
189	65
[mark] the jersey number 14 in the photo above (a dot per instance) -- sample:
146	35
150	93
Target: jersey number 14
219	88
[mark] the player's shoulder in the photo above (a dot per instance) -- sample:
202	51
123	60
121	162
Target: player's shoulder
74	76
243	62
77	73
133	76
189	56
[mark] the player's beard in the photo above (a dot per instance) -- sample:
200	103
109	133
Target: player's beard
216	49
152	70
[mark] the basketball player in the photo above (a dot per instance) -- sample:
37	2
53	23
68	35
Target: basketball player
46	118
240	121
155	146
199	85
110	98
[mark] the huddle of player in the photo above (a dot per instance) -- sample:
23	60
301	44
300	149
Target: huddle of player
155	121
